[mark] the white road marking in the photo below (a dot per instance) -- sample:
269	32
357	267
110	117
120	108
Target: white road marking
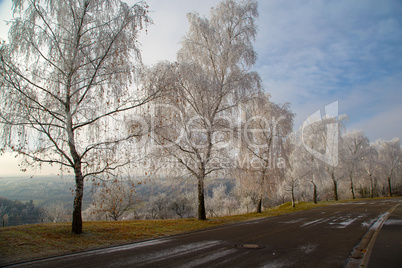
344	224
294	221
368	223
122	248
345	221
312	222
209	258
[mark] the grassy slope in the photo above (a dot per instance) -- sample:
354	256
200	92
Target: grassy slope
28	242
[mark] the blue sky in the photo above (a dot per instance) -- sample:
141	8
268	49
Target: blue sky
311	53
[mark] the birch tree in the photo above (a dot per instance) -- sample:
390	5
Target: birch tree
311	163
66	85
211	77
389	156
54	212
263	152
321	138
296	169
355	147
370	167
303	169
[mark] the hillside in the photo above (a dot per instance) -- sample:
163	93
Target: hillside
40	189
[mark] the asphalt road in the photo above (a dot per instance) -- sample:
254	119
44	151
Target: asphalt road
321	237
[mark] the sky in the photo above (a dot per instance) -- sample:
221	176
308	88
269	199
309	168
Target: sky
311	53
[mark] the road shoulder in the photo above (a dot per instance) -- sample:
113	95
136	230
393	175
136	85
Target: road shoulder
388	245
361	253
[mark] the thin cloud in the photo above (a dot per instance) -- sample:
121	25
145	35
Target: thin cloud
315	52
311	53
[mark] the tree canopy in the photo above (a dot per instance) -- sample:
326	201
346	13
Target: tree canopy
66	80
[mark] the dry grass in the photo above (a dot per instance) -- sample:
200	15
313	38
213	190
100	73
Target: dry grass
28	242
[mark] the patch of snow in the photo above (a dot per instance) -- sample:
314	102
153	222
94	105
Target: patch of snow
393	222
183	249
278	264
155	256
379	220
308	249
368	223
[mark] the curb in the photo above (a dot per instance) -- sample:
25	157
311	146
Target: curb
360	255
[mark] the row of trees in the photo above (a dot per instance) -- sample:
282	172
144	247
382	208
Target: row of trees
362	168
180	204
75	94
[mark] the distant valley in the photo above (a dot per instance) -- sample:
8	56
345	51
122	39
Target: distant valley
41	189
